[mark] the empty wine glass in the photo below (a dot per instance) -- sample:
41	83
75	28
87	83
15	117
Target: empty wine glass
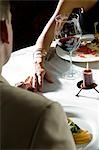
68	34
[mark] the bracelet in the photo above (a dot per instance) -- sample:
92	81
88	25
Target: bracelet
39	54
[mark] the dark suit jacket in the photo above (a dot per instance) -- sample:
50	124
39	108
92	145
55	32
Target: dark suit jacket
30	121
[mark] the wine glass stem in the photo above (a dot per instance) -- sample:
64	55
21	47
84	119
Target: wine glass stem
71	65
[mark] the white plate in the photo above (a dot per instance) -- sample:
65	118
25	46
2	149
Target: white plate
64	55
87	37
86	119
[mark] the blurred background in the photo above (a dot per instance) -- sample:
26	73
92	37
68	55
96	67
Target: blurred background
30	16
29	19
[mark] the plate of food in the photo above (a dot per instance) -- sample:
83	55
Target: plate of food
84	126
87	52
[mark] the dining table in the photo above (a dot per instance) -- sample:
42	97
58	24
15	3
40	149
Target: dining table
84	108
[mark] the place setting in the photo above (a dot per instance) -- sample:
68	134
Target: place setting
84	126
87	52
73	46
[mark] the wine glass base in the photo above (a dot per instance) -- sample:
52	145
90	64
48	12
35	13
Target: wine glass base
71	76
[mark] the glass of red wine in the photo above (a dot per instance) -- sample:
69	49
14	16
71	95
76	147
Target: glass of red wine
67	35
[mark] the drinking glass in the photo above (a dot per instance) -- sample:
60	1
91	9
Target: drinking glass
67	35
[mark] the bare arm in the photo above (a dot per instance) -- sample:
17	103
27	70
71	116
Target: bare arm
64	7
46	37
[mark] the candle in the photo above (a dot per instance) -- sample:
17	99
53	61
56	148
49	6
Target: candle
87	77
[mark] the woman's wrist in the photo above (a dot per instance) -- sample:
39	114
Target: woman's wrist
39	52
39	55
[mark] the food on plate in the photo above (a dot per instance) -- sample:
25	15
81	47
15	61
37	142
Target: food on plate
27	84
88	49
80	136
97	36
94	45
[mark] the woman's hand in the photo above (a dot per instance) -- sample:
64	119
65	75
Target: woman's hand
39	73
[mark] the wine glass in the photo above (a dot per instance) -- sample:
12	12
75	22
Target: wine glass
67	35
60	20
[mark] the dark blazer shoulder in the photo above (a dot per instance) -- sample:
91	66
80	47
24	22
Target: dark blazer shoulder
52	132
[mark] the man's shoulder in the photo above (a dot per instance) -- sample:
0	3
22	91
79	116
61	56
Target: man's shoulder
18	94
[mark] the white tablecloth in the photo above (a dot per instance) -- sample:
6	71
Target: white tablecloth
62	90
20	66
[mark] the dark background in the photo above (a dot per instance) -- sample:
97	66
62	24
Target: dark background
29	18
